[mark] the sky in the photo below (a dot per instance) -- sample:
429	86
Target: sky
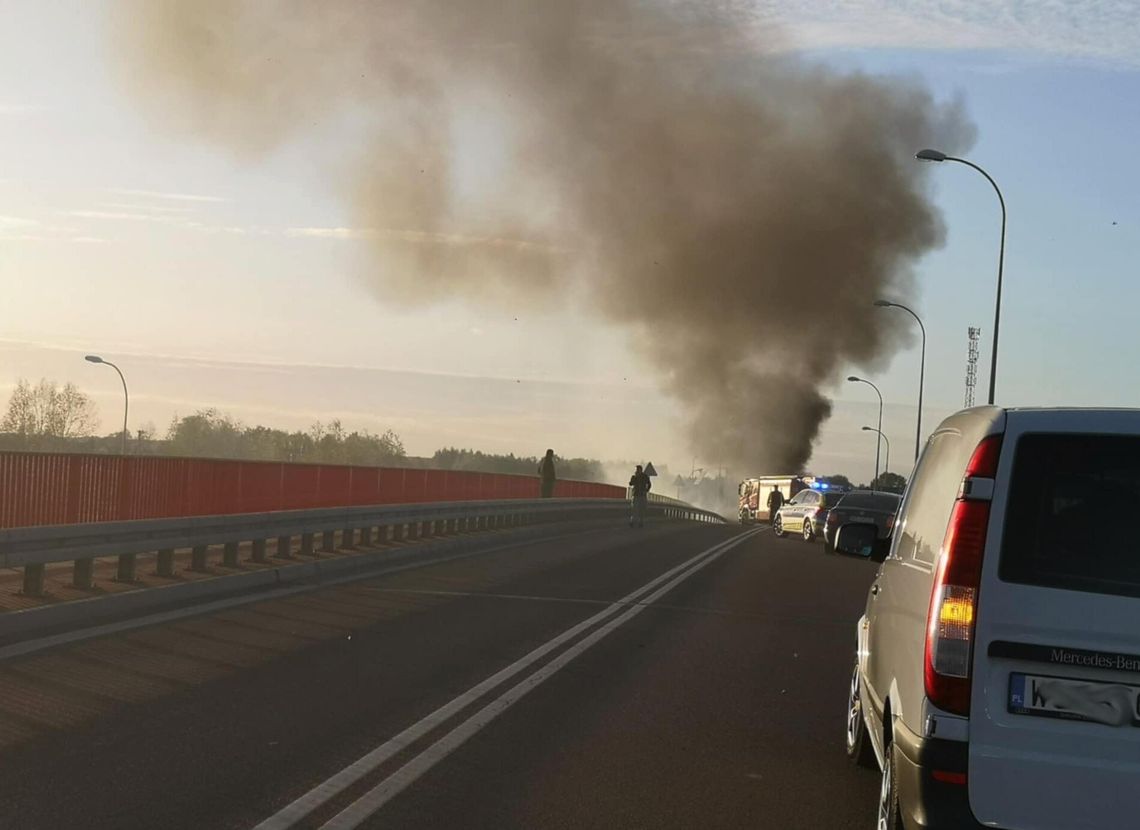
220	281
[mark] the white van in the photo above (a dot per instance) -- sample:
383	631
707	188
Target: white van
997	677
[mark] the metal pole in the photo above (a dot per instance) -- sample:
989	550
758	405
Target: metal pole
126	403
887	441
1001	266
921	371
878	444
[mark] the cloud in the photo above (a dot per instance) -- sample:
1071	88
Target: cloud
20	109
420	237
154	194
137	208
14	222
1106	30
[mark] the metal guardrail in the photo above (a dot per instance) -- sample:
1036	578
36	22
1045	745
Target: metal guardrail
32	548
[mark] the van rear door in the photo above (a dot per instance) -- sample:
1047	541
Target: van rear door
1055	702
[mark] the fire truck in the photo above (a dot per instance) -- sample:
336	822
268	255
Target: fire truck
754	493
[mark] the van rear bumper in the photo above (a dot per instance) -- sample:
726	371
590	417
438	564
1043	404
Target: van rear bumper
926	802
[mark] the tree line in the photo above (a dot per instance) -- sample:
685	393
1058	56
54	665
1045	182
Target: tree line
47	417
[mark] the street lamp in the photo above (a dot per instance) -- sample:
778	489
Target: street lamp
887	466
921	369
854	379
94	358
935	155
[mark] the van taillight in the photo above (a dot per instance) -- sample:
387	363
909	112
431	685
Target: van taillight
983	463
954	598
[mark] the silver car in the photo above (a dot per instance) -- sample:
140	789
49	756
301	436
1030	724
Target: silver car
805	514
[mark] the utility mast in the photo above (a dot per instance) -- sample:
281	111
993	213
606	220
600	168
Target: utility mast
972	364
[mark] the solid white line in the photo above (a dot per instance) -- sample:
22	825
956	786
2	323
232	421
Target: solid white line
291	814
365	806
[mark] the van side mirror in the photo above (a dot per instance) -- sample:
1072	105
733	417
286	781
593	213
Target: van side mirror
881	550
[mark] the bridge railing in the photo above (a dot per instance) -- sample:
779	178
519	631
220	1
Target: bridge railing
32	548
70	488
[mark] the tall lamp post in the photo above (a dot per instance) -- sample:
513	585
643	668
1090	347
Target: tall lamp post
854	379
936	155
921	369
94	358
887	465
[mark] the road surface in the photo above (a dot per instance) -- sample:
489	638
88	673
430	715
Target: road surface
676	677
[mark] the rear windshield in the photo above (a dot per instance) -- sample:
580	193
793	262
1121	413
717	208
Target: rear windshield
1068	524
831	499
871	501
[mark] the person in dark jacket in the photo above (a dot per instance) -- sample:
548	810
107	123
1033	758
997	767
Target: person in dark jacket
546	475
775	502
639	485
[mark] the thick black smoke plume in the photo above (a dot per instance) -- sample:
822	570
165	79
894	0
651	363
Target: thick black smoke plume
736	209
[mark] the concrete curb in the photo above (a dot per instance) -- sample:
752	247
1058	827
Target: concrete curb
88	612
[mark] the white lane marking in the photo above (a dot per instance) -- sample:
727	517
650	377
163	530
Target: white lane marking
25	647
365	806
288	816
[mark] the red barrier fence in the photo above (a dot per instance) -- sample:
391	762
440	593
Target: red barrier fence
64	488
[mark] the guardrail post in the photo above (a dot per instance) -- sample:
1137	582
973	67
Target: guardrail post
382	535
33	580
328	541
347	538
427	528
258	550
164	563
127	568
398	532
307	544
198	558
284	547
413	531
230	555
366	536
83	576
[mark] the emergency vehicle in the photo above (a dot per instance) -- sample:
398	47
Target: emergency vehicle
754	493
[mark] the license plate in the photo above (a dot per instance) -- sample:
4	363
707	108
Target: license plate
862	520
1113	704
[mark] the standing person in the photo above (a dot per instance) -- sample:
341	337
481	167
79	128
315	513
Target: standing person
546	475
641	485
775	502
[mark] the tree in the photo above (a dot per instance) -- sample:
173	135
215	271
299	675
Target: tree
48	411
838	481
889	483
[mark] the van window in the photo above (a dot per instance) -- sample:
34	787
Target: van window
1067	523
930	498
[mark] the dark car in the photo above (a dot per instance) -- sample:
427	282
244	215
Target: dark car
861	507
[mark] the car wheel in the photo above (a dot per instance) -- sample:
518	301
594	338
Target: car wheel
859	747
808	533
890	817
778	526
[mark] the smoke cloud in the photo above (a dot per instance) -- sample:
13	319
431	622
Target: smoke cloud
734	208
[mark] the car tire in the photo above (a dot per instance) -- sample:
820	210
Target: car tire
807	534
859	748
890	816
778	526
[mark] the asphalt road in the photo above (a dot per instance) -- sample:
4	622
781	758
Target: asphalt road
713	697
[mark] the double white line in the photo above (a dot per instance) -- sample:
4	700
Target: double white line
352	816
